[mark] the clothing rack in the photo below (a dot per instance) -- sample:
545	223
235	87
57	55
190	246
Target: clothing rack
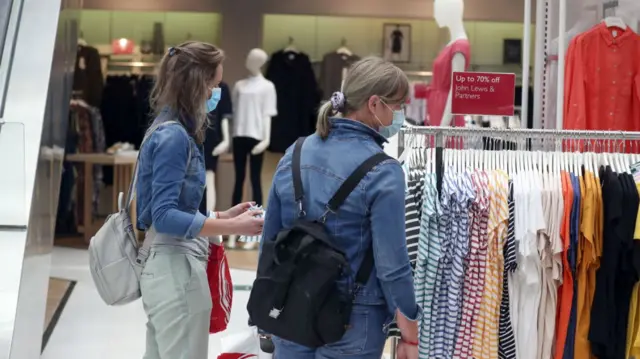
523	138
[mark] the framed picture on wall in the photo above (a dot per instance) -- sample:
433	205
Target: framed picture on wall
396	43
512	52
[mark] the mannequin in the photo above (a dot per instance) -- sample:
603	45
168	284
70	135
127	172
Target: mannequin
254	101
454	57
217	142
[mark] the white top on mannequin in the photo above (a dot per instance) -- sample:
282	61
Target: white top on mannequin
254	101
449	14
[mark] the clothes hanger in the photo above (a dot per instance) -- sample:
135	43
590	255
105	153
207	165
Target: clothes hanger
343	49
409	149
615	22
291	46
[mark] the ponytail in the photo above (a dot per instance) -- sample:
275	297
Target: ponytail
323	126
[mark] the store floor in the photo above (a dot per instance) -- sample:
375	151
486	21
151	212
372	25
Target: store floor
87	328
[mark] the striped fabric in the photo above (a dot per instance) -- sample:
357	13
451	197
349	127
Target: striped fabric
485	344
440	299
507	341
476	262
429	252
463	194
412	225
253	239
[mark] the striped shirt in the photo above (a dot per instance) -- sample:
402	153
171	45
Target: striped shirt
440	303
486	332
476	262
429	252
459	191
507	341
412	225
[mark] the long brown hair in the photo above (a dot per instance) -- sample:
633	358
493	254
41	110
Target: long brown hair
184	77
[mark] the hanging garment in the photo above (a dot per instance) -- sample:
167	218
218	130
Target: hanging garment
602	80
441	82
428	259
416	106
527	281
214	130
486	332
457	194
333	67
633	332
298	98
413	206
586	266
507	341
87	76
476	266
549	249
574	227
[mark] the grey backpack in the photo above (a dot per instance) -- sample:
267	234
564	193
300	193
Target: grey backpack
115	259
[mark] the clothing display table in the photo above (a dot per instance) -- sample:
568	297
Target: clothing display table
123	165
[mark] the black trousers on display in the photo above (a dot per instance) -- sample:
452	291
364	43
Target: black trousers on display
242	147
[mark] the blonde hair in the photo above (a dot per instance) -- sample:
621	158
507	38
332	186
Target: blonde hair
371	76
184	78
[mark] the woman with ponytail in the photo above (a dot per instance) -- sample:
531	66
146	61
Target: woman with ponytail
352	127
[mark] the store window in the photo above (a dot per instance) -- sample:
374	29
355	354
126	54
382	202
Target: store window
8	24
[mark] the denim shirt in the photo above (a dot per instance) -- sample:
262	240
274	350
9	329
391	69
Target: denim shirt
372	215
168	194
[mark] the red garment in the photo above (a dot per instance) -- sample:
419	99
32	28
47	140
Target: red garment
441	82
421	91
221	288
602	80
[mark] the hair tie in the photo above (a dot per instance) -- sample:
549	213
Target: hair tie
172	51
338	101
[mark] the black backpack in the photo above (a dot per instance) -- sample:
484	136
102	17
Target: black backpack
296	295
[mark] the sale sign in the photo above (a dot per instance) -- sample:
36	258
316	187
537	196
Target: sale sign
483	93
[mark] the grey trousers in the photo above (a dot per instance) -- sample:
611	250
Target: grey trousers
177	300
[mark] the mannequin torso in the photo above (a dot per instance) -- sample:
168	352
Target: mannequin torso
454	57
255	103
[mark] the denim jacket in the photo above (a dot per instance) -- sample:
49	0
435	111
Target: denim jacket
168	194
372	215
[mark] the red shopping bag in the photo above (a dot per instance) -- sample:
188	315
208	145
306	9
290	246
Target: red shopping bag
241	345
221	288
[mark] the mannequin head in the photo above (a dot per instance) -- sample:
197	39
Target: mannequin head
255	60
448	13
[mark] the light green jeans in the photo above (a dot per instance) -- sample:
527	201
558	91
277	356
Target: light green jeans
177	300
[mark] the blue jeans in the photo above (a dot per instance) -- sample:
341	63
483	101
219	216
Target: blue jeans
364	339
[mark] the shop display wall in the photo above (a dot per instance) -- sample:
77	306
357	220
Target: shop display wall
317	35
102	26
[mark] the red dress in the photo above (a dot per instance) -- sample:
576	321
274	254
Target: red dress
441	82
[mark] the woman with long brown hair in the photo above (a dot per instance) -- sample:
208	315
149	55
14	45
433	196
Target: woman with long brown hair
170	186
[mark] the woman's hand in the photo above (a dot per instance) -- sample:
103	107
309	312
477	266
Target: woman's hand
407	351
247	224
236	210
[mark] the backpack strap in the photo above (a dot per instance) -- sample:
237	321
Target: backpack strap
352	181
134	179
364	272
296	172
362	276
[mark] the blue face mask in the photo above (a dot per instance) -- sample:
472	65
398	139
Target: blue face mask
394	127
212	102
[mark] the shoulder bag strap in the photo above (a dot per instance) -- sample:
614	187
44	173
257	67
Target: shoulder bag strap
134	179
296	173
362	277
